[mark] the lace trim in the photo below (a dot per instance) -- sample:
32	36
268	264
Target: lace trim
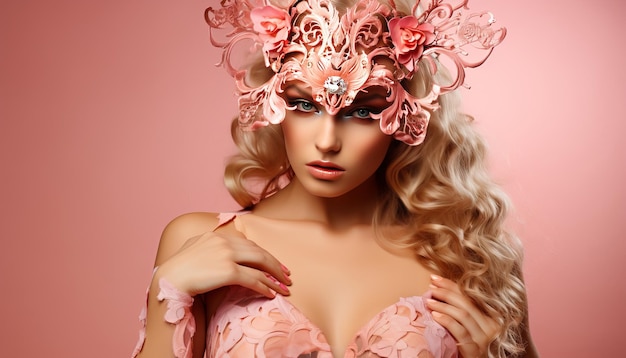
178	313
142	330
247	325
250	325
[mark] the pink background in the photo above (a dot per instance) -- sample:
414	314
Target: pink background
113	120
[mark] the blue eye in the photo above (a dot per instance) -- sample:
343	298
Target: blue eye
302	105
361	113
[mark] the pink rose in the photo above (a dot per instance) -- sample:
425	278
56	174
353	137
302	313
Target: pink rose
413	130
272	25
409	38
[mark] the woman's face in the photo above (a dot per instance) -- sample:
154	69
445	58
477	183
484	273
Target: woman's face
333	154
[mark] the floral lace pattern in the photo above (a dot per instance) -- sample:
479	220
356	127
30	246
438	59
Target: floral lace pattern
249	325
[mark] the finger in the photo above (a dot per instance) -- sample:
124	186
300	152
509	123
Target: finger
445	283
460	316
260	282
231	260
448	291
481	326
465	343
282	288
249	254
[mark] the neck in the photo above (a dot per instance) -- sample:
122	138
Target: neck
294	202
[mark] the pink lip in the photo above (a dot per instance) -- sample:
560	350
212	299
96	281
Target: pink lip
325	170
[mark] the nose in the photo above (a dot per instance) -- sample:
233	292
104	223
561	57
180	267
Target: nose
327	138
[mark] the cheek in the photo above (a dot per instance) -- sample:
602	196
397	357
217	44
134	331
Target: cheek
293	137
289	133
373	150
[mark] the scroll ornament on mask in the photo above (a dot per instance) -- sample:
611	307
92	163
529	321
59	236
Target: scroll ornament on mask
339	55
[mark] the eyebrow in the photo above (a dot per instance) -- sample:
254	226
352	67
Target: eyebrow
300	91
363	97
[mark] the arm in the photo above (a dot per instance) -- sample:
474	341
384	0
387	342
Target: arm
193	262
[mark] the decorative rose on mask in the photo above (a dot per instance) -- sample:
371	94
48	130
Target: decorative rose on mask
409	38
413	130
273	26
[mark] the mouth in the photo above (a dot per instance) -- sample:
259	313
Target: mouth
323	165
325	170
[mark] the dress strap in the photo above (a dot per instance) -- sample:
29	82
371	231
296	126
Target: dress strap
225	218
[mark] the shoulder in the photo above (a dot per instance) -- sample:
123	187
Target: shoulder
183	228
191	224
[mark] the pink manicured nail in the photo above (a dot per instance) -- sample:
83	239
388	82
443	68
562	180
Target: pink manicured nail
435	278
285	269
282	285
436	314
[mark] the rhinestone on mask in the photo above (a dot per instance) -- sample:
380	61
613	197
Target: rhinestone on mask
335	85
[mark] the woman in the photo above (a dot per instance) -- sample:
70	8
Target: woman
362	236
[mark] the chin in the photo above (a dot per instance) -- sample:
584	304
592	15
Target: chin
325	189
327	193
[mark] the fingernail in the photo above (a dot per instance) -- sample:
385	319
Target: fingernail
435	278
282	286
432	287
430	300
285	269
436	314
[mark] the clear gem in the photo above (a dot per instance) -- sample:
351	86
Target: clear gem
335	85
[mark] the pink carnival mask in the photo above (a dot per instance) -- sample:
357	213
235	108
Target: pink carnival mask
372	44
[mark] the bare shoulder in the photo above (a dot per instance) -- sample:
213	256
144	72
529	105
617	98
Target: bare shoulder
181	229
190	225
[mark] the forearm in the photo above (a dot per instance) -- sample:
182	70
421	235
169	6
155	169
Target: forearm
170	324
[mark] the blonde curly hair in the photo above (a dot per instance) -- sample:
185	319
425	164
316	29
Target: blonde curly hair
440	193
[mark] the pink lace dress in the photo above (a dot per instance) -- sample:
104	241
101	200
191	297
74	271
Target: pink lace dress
248	324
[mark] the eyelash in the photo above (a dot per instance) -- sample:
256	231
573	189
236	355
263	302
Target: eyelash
367	116
298	104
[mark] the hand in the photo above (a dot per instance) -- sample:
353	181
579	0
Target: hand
473	330
213	260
